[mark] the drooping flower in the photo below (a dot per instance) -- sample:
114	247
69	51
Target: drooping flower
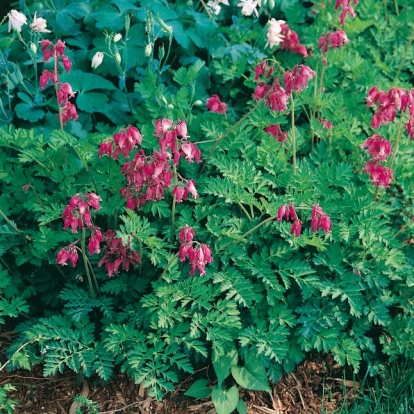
97	59
378	147
320	220
215	105
274	33
277	132
326	124
39	25
249	7
68	253
186	234
16	20
346	9
296	228
291	41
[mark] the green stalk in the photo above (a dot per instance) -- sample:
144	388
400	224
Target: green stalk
256	227
231	129
293	133
313	112
244	210
397	141
173	204
85	262
13	226
397	11
410	41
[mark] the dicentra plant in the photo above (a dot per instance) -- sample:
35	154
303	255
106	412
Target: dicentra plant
207	187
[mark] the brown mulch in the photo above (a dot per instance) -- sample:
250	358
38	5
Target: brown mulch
316	383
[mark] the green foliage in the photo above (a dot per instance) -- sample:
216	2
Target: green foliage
268	297
6	403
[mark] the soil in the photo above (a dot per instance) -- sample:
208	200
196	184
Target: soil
316	385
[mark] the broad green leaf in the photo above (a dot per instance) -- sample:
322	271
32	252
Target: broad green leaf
225	401
222	365
28	112
253	375
241	407
200	389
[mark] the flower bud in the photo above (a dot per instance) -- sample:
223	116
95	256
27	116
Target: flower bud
198	102
165	27
170	106
118	57
148	50
33	48
161	52
97	59
117	37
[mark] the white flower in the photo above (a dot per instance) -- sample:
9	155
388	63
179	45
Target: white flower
274	36
97	59
249	7
16	20
214	5
39	25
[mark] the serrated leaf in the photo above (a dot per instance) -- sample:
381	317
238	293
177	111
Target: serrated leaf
28	112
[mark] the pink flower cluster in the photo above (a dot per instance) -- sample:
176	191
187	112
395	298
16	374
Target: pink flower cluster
298	79
124	142
291	41
319	220
332	39
276	96
199	255
68	253
77	214
379	148
64	91
117	255
346	9
148	176
388	103
215	105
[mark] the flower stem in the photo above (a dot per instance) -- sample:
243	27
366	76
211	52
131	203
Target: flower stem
13	226
407	49
173	204
85	262
244	210
256	227
293	133
231	129
397	141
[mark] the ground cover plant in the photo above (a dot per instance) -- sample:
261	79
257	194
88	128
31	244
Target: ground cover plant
196	183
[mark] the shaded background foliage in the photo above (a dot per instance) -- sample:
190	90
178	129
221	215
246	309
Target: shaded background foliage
267	293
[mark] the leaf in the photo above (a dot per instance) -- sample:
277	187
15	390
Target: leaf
92	102
225	401
200	389
253	375
28	112
222	365
241	407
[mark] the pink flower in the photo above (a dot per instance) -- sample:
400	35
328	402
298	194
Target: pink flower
277	99
47	49
105	148
281	212
296	228
291	41
190	188
191	152
302	74
260	69
261	90
326	124
69	112
378	147
215	105
45	77
186	234
346	9
95	240
320	220
178	192
335	39
68	253
277	132
93	201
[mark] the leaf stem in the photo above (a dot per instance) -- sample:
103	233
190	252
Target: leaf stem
397	141
410	41
244	210
13	226
256	227
173	204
